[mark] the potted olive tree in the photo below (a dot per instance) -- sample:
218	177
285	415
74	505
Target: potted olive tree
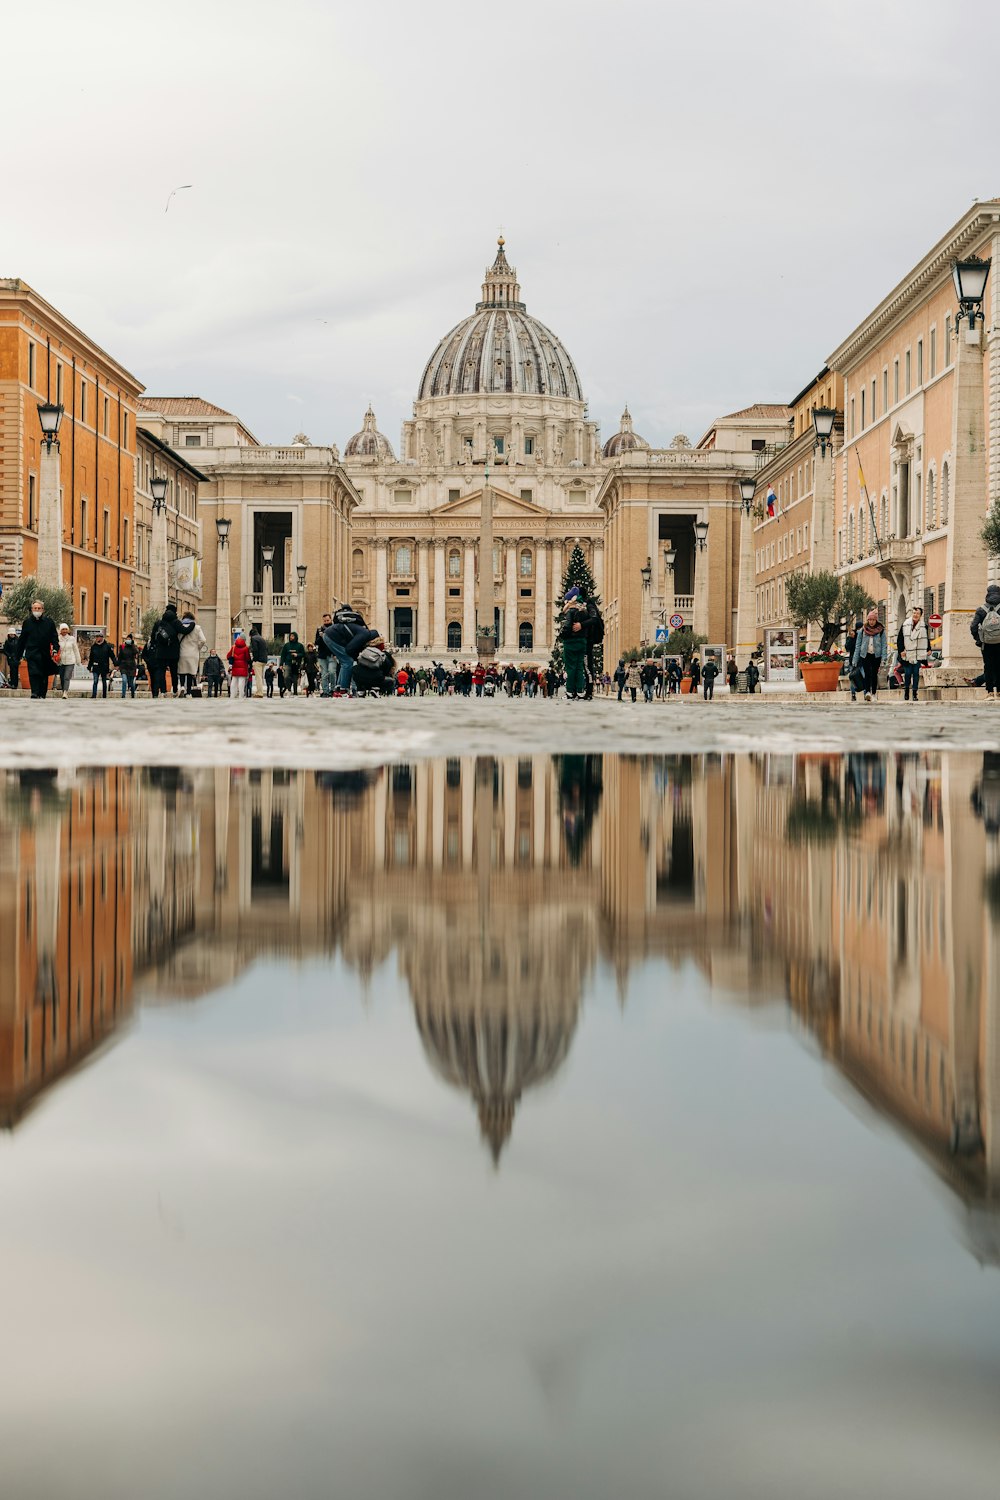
825	600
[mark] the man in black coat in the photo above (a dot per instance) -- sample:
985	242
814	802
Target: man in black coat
36	643
163	650
100	661
258	660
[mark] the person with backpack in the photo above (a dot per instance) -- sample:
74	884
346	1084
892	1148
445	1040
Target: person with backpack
258	657
347	637
128	664
913	646
573	638
375	669
163	651
709	673
99	663
291	661
647	676
985	630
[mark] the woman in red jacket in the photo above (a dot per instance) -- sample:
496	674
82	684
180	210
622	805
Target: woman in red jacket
240	660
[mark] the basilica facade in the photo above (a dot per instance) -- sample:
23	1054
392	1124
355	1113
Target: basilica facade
500	403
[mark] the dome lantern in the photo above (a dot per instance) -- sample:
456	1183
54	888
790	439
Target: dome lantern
369	442
625	440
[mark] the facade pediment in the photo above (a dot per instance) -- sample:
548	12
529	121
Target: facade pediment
504	504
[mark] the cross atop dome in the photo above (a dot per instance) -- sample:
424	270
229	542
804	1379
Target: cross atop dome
500	289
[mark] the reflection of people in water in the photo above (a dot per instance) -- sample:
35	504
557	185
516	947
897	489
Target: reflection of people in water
986	793
345	787
581	782
866	781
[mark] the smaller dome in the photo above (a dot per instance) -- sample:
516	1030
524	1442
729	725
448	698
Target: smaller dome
369	442
625	439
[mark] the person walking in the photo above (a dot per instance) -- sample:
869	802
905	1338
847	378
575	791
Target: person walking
633	679
985	628
37	647
310	667
269	675
913	645
869	652
100	661
163	651
753	675
709	673
291	661
69	658
240	661
128	665
695	674
732	673
574	643
213	673
192	645
258	658
647	676
850	642
329	666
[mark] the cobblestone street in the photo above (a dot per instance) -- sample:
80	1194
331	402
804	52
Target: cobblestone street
351	732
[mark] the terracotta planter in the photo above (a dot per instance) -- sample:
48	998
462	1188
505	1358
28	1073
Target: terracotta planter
820	676
685	684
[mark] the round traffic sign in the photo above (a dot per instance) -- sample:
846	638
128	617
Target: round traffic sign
935	622
676	622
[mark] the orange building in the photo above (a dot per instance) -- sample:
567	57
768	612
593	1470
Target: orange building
43	357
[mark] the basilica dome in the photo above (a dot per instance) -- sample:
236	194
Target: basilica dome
625	440
369	442
500	348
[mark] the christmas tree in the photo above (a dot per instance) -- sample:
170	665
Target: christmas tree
577	575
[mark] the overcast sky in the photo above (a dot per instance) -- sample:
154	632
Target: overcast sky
700	200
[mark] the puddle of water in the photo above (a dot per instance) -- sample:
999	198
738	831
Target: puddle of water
517	1127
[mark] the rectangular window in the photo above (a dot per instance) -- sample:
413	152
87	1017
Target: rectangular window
84	605
498	444
125	556
885	390
454	495
31	365
106	416
947	342
907	380
862	408
757	445
874	413
852	417
107	532
526	495
192	440
59	369
895	381
31	502
125	429
920	361
805	536
83	401
106	612
529	446
83	522
933	352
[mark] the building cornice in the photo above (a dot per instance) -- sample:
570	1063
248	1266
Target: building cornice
18	294
982	219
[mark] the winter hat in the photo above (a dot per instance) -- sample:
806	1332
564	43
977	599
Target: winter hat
574	593
63	627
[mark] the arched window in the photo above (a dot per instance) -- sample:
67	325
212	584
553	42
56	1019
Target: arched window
358	563
525	636
454	564
931	500
850	537
883	516
454	636
945	491
862	518
404	558
525	564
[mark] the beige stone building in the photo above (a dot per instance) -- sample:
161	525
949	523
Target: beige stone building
922	426
168	546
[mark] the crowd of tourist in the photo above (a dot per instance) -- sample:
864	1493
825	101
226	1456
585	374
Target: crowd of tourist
348	658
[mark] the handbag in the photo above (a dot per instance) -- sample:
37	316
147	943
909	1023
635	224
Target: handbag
857	675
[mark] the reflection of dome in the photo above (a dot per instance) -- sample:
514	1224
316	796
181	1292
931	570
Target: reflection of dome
625	439
500	348
369	442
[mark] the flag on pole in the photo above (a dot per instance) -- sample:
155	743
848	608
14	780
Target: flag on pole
772	500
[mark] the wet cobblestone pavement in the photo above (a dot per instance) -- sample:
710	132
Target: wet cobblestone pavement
367	732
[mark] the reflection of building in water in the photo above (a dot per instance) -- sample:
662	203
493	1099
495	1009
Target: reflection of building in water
65	917
852	887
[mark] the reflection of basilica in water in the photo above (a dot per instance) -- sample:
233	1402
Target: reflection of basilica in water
861	890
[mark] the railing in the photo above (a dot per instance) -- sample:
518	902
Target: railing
900	549
266	457
278	601
683	603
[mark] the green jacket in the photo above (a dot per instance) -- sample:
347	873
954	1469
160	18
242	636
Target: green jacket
293	654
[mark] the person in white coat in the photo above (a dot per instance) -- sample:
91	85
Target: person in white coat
193	647
69	657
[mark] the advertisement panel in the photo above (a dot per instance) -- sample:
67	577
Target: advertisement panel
781	649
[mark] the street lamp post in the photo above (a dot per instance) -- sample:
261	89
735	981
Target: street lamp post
701	578
50	528
746	620
669	560
267	592
965	556
300	572
645	627
821	554
158	576
223	604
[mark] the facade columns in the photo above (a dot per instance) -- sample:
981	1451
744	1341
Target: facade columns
557	569
158	575
440	639
469	598
423	596
223	601
701	587
599	568
381	620
541	595
510	603
966	561
821	550
50	528
746	623
267	603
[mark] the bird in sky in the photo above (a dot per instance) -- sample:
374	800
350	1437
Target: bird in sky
179	189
